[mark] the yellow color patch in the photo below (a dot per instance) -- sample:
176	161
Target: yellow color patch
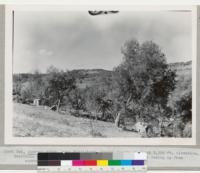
102	162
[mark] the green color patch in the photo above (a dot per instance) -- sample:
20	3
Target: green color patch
114	162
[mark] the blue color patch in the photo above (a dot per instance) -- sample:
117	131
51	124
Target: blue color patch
126	162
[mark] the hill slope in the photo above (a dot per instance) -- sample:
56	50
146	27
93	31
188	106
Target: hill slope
91	77
31	121
97	77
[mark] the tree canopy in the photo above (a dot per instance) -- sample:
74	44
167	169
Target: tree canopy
144	77
59	85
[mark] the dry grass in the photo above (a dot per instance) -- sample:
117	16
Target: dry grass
31	121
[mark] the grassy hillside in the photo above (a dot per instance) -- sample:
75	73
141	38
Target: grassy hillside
90	77
31	121
182	68
95	76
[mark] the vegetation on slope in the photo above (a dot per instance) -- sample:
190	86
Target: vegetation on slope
143	87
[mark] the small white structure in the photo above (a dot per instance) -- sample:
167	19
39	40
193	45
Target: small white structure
36	102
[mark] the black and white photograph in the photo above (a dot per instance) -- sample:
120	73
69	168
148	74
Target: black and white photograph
102	74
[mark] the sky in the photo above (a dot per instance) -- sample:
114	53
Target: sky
77	40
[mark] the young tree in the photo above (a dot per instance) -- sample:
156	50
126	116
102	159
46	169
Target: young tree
27	92
77	100
59	86
104	105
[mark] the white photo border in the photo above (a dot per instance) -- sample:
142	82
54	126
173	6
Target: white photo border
8	134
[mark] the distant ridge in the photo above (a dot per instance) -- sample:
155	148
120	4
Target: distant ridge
100	71
180	64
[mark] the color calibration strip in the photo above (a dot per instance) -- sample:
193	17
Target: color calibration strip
91	163
55	162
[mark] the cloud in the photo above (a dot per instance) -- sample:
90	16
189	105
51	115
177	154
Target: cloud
44	52
71	40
